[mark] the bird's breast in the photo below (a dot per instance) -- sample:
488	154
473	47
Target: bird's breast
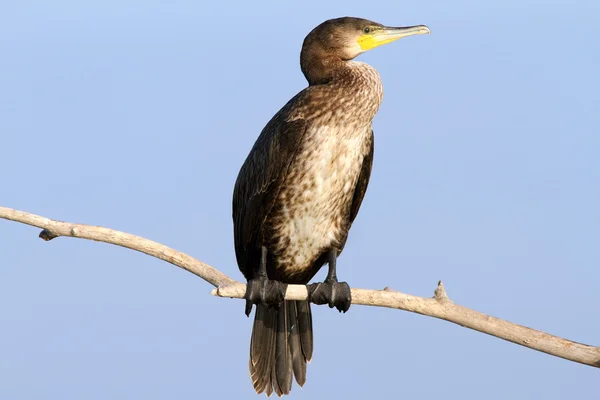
312	209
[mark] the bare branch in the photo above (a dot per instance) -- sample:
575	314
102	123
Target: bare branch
53	229
439	306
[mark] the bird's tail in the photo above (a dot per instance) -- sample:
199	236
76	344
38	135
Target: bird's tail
281	345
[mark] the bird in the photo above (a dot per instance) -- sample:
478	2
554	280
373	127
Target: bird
299	191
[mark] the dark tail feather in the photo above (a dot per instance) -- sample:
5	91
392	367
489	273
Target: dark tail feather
281	345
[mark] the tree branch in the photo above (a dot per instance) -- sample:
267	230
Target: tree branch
439	306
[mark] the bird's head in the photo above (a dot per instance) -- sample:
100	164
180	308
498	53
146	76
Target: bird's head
345	38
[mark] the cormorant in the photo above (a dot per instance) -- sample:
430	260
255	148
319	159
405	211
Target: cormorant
299	191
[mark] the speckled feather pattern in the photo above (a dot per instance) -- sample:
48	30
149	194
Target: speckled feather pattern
311	214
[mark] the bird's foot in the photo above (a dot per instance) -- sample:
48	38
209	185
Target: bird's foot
335	294
264	291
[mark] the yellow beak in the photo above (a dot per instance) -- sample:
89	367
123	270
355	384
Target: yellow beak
386	35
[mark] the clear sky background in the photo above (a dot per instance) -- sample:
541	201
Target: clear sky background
137	115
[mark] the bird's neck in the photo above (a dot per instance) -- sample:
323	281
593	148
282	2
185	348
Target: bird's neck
321	70
334	71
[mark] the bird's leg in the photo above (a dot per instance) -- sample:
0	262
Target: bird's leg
335	294
262	290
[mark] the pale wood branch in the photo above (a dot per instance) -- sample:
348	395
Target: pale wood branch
53	229
439	306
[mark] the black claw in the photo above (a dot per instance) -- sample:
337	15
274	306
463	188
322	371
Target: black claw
248	308
264	291
343	296
334	294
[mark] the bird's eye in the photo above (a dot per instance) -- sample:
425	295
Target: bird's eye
367	29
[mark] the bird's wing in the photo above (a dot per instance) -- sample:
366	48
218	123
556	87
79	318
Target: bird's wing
259	182
363	181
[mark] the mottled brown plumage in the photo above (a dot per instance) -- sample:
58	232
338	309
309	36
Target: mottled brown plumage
301	187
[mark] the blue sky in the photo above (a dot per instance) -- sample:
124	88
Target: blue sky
137	116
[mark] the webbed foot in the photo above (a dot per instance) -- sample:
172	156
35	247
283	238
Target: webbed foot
264	291
335	294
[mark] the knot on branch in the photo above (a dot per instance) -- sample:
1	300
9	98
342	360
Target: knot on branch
234	290
440	293
47	235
